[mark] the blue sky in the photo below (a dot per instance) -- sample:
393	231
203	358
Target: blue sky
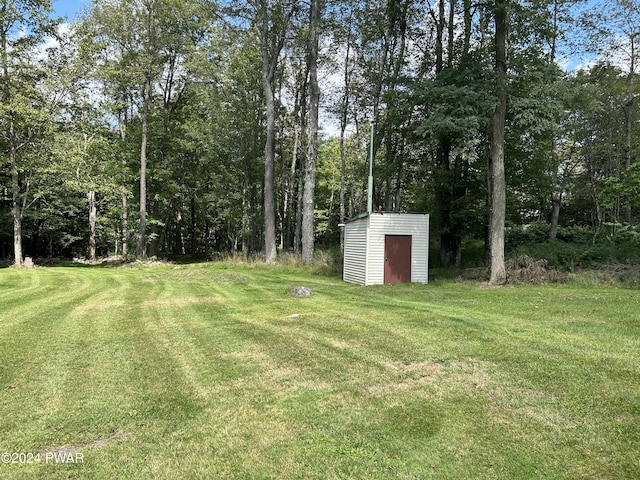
68	8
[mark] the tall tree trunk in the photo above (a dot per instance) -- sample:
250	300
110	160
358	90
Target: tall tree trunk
122	126
308	229
246	214
17	201
91	199
152	8
440	37
269	65
443	198
343	209
467	27
16	208
498	182
297	236
451	33
125	232
629	110
445	194
556	202
289	211
192	209
301	161
344	112
269	173
141	251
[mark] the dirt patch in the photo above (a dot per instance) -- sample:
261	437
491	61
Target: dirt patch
343	345
183	302
99	443
408	377
97	308
208	276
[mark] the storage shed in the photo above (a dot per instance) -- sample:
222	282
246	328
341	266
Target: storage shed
386	247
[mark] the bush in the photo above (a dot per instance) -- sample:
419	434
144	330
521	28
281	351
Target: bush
571	256
526	234
539	233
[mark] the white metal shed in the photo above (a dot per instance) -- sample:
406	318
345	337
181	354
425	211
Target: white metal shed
386	247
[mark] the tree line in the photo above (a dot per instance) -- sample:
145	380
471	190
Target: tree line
159	127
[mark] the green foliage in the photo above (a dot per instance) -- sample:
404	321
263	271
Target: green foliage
576	246
454	104
625	188
427	86
538	232
575	255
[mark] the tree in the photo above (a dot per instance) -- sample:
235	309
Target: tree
498	189
308	202
145	48
272	21
614	31
23	27
342	111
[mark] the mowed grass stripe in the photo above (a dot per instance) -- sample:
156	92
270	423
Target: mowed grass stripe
30	333
103	379
58	347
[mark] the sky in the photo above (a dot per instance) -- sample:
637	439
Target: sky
68	8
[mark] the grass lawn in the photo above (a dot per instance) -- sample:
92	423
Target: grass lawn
215	371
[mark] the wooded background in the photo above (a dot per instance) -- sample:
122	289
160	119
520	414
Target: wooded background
171	127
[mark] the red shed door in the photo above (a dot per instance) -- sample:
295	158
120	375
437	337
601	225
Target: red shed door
397	258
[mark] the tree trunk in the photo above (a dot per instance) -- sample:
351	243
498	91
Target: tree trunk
125	232
192	211
467	27
246	212
556	202
122	127
269	64
297	235
443	198
308	230
343	168
451	33
344	112
16	209
440	37
150	50
498	182
269	171
91	198
629	108
141	251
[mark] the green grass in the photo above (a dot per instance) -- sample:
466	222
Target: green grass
215	371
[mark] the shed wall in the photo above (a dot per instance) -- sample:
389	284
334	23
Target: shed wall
416	225
355	251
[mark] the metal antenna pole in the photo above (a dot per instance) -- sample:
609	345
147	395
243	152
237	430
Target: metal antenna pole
370	190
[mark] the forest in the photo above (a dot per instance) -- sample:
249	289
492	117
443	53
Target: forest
165	128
